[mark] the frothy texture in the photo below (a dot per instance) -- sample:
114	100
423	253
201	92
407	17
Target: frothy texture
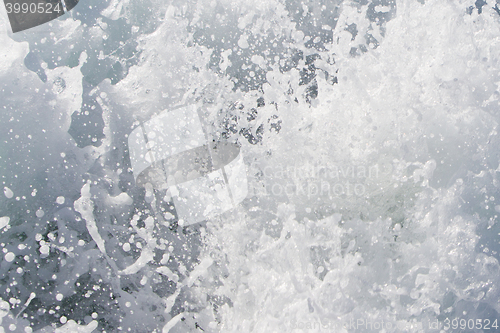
369	137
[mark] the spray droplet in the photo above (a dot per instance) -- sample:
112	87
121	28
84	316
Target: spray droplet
8	192
4	221
126	247
9	257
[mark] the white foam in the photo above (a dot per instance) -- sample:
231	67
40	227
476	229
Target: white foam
420	104
85	207
121	199
72	327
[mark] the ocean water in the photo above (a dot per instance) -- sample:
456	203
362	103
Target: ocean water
368	131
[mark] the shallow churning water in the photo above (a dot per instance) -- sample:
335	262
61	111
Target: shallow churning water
264	166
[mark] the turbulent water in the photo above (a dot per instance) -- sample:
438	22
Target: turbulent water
369	134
